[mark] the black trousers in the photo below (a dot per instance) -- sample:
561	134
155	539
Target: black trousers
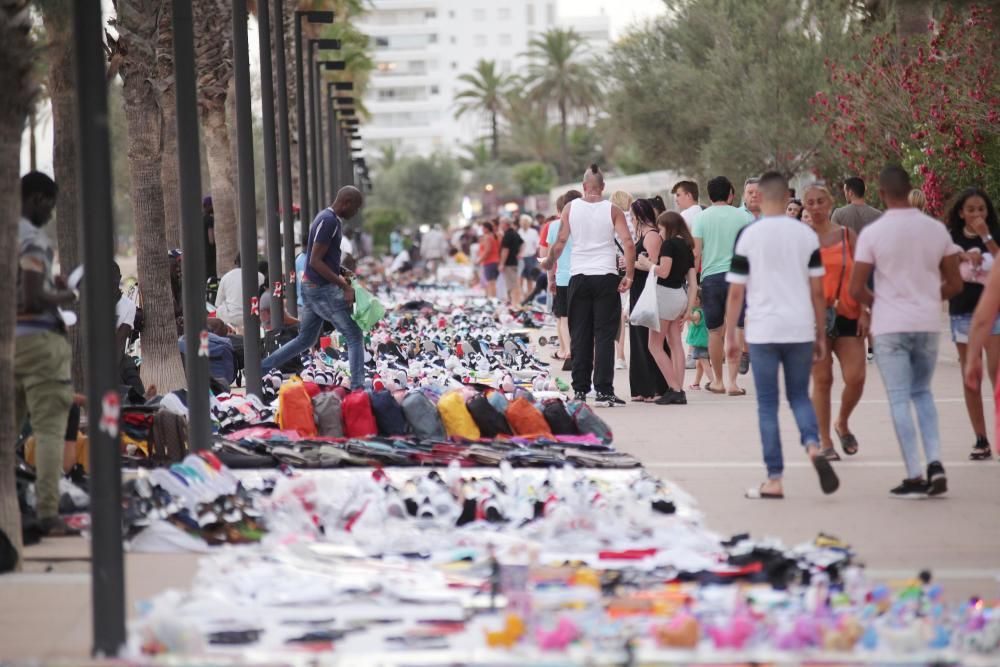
595	309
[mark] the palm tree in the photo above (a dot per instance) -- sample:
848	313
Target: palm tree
213	49
170	169
530	136
133	55
485	93
17	53
555	76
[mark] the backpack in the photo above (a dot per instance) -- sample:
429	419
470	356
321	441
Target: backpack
423	417
221	357
526	419
359	422
490	422
457	420
295	408
588	422
554	411
388	413
498	401
168	437
329	415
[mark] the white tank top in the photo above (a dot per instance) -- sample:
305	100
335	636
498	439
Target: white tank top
593	232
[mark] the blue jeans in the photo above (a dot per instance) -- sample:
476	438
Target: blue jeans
319	303
796	360
906	361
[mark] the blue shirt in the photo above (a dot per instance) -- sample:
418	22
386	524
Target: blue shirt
300	271
326	228
562	264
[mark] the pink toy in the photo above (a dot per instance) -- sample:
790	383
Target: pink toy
804	634
558	639
736	635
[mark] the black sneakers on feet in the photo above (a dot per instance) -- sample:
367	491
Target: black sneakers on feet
607	400
937	482
911	489
672	397
580	396
981	450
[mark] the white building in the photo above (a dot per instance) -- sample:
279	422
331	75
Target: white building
421	47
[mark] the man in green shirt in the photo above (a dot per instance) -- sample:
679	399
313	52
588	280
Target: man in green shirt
715	231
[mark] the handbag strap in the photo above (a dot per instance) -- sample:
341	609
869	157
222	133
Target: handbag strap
843	267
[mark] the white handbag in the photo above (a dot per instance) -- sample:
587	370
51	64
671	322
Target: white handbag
646	312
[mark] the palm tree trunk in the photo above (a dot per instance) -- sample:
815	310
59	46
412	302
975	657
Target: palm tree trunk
32	144
170	171
495	136
57	16
220	170
17	51
563	140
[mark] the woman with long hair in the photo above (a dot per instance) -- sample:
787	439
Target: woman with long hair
489	257
794	209
645	382
848	330
972	222
623	200
676	291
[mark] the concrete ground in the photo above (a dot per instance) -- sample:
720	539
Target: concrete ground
711	448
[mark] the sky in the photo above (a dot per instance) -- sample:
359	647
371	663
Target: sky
622	12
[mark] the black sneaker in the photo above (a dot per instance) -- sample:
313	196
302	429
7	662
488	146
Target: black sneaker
981	450
672	397
580	396
607	400
911	489
937	482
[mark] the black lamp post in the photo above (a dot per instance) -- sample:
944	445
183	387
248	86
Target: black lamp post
320	146
273	228
300	113
331	137
284	146
315	144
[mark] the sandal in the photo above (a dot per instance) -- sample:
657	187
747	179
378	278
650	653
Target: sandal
559	357
739	392
848	443
694	387
712	389
829	453
639	399
758	493
828	480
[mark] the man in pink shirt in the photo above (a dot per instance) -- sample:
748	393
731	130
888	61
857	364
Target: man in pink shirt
916	267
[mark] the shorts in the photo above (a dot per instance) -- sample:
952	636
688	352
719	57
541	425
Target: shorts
845	327
491	271
510	276
671	302
714	292
698	352
960	325
560	305
530	264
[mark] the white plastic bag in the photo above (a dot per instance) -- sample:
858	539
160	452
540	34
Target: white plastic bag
646	312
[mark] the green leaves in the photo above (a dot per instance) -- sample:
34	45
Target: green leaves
425	189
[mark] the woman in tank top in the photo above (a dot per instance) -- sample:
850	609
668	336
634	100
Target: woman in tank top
646	384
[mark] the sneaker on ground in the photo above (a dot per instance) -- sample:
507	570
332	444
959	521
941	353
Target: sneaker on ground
608	400
981	450
620	364
911	489
671	397
937	482
744	363
580	396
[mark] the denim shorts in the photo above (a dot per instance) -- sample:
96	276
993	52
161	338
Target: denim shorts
491	271
699	352
960	325
714	293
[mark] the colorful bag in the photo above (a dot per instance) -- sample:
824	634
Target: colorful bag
329	415
527	420
588	422
498	401
295	408
367	309
457	420
554	411
388	414
490	422
359	422
423	417
168	437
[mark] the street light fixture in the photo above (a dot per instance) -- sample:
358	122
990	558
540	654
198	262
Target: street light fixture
300	109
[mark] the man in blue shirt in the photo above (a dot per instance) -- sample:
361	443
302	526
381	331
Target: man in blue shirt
327	294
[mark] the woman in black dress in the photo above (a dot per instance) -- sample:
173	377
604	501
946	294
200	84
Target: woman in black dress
646	383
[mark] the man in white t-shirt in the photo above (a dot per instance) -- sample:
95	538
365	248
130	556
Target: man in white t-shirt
229	299
529	253
915	264
686	198
777	267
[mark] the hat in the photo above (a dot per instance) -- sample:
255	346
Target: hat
206	200
174	252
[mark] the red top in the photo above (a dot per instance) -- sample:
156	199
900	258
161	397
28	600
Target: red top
544	241
489	249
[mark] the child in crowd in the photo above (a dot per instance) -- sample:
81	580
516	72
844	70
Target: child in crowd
697	339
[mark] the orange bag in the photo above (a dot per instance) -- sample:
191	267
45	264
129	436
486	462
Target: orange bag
526	419
295	408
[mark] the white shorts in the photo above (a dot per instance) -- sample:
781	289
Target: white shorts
671	302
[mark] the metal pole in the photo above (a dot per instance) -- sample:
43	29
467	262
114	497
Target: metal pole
274	272
192	236
313	162
284	143
248	199
300	113
320	149
331	132
94	171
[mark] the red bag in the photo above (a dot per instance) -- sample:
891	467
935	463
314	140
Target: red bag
527	420
359	420
295	408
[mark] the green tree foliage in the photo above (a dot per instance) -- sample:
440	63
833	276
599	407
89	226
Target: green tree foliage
425	189
740	78
381	220
484	92
534	178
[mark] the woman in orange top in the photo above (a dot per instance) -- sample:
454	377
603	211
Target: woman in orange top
489	258
847	331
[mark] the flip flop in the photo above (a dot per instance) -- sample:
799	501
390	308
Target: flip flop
756	493
829	453
639	399
740	392
559	357
828	480
848	443
710	387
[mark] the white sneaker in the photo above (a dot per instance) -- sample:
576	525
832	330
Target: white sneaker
620	364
